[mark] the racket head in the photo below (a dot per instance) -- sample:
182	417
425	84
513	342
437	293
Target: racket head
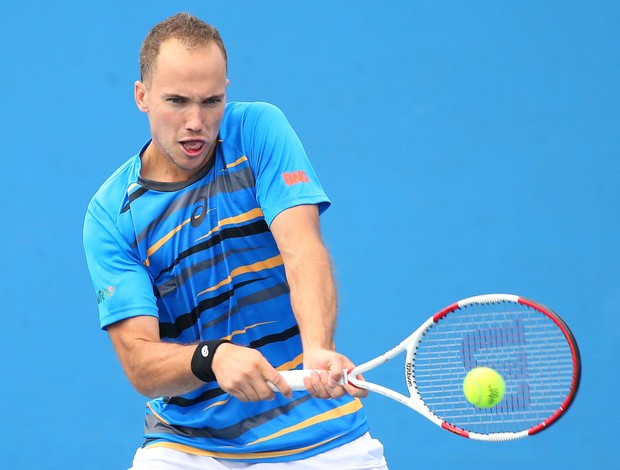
527	343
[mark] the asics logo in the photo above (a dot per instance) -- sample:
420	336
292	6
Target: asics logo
200	211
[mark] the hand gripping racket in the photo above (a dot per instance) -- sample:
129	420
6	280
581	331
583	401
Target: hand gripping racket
528	344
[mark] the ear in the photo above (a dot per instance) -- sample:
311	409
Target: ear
140	95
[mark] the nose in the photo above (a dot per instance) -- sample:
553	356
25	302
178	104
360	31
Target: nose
193	120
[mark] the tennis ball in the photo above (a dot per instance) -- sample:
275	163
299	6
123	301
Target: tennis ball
483	387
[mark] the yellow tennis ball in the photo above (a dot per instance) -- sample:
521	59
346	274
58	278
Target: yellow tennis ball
483	387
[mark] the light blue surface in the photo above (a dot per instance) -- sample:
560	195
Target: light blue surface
468	147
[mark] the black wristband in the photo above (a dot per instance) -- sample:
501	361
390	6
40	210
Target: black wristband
203	359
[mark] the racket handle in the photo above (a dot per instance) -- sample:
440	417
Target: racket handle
295	378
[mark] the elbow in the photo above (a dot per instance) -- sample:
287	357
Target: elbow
146	391
143	386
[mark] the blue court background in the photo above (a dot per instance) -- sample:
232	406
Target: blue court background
468	147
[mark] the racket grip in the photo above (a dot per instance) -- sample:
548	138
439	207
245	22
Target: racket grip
295	378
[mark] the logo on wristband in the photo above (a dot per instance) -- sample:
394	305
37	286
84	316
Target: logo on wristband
205	351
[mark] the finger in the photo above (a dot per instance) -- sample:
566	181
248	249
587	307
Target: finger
240	395
316	384
252	388
336	392
281	384
356	391
335	376
329	387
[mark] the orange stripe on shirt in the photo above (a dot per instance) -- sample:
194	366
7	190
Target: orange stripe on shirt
252	214
237	162
238	456
157	415
244	330
290	365
343	410
153	248
251	268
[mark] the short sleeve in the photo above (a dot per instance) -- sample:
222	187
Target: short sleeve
284	175
122	284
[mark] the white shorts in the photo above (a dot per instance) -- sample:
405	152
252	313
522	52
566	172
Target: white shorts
364	453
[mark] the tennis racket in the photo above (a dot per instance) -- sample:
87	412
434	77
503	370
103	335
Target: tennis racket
528	344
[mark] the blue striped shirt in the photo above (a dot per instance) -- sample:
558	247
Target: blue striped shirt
200	257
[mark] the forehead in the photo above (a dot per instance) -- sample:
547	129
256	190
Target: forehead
178	65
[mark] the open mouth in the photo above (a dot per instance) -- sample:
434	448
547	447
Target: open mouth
193	147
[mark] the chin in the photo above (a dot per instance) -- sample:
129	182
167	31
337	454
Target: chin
194	164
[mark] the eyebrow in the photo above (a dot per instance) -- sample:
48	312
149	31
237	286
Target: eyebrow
182	96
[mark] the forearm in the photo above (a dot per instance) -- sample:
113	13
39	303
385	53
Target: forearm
157	368
309	275
162	369
313	296
153	367
314	302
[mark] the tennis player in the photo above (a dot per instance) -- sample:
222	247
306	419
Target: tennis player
211	276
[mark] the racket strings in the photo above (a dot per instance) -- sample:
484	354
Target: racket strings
525	346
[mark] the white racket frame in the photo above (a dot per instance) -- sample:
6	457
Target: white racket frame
295	378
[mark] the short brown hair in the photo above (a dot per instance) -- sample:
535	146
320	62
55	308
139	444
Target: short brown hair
191	31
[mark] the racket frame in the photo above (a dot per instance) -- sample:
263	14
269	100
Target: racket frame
410	344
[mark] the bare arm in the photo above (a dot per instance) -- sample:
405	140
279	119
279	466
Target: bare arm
153	367
313	297
157	368
309	274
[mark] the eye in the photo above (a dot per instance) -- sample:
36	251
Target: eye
175	100
213	101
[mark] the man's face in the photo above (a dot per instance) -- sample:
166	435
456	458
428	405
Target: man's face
185	103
